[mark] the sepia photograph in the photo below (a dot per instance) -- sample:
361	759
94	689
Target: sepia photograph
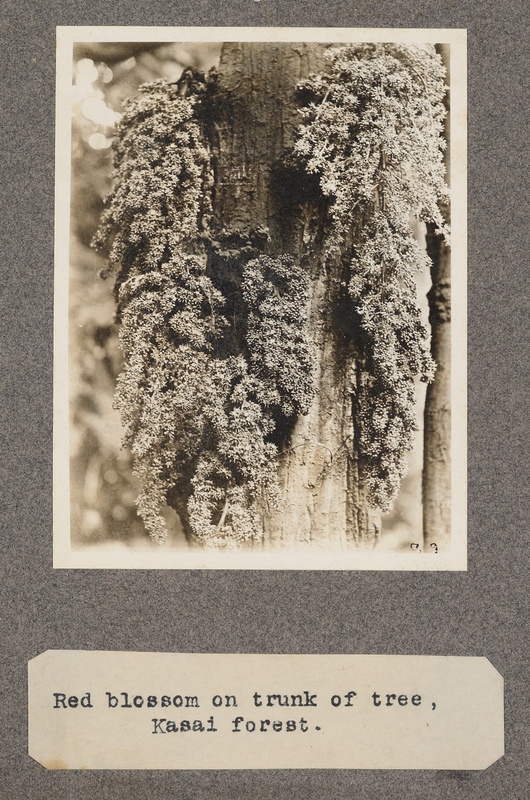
260	299
264	401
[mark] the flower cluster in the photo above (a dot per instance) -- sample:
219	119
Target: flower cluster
171	321
373	133
236	474
269	380
199	395
276	293
161	171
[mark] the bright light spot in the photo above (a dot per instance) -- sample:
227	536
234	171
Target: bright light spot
84	65
87	72
119	513
98	141
106	73
91	519
80	91
129	63
96	110
111	476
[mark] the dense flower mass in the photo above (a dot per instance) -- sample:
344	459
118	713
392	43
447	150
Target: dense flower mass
276	293
214	368
198	409
372	132
161	170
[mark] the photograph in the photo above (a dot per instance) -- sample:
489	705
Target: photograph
265	469
260	299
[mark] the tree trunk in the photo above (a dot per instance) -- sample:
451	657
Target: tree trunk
323	501
437	435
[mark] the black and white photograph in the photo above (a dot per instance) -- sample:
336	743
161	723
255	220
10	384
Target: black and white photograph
260	302
264	400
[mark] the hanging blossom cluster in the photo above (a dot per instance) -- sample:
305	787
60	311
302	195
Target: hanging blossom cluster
198	412
160	171
373	133
269	380
276	293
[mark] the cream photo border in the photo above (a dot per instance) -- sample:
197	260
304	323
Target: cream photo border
64	555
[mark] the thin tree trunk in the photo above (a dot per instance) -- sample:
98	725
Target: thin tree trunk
437	435
323	502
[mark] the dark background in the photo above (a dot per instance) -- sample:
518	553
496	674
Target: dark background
483	612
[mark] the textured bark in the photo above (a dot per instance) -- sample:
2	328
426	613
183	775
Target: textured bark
437	435
255	122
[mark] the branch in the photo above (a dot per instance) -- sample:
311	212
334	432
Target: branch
112	52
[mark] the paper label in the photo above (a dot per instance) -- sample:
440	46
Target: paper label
123	710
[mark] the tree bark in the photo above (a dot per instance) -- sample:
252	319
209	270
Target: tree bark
437	418
323	501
